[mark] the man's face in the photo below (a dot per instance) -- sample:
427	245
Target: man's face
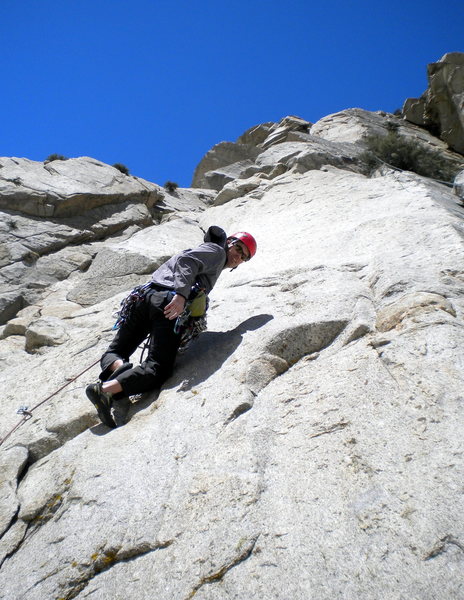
236	254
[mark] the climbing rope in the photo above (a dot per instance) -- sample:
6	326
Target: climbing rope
27	413
448	183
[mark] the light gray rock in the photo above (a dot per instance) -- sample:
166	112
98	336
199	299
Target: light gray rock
28	239
354	126
182	200
47	331
35	253
220	177
282	131
256	134
459	185
10	304
20	323
122	266
305	440
221	155
305	156
307	444
307	152
441	107
67	187
228	161
236	189
61	264
12	462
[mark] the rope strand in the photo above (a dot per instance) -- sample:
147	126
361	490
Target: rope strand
28	413
448	183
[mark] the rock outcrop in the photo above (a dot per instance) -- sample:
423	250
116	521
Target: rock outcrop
55	214
441	107
309	443
297	146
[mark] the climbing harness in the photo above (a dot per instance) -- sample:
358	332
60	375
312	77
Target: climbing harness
192	329
128	303
27	413
192	321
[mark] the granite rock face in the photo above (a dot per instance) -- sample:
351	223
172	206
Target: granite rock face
441	106
308	444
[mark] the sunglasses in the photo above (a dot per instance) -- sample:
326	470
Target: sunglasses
243	255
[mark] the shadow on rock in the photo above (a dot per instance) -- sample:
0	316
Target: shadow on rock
210	351
205	357
143	401
100	429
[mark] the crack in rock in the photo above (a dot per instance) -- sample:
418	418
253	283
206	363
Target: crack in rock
239	411
220	573
103	560
331	429
10	544
442	545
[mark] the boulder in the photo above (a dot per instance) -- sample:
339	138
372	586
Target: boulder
46	331
37	252
354	125
440	108
228	161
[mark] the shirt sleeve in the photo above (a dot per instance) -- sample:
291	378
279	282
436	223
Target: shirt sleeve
192	263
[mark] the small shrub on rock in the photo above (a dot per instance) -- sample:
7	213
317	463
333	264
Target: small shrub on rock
397	151
122	168
171	186
392	125
53	157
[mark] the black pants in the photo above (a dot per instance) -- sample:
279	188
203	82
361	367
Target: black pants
147	318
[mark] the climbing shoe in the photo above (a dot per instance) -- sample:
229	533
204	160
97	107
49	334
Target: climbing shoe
102	402
120	410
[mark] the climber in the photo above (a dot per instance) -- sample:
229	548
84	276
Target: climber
159	312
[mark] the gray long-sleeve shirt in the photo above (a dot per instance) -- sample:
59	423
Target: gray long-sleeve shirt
201	265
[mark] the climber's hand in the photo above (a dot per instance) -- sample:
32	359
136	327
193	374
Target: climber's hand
175	307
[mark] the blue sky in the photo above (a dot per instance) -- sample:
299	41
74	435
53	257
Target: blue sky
155	84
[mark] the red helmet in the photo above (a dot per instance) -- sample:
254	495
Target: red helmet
248	240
